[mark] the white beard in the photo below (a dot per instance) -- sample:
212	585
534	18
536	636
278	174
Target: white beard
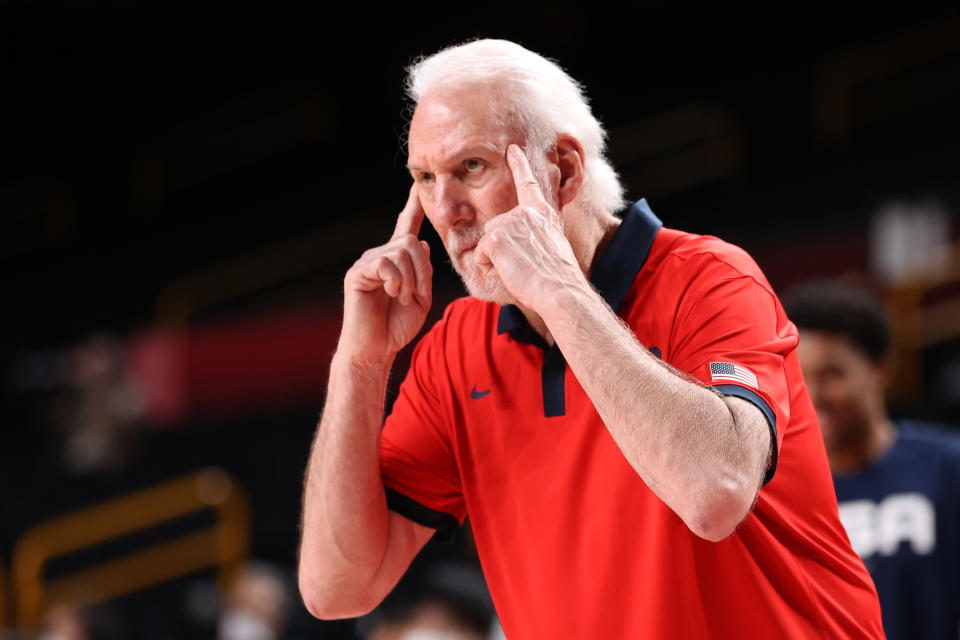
480	285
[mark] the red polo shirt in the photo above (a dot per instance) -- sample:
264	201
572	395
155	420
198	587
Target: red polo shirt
491	422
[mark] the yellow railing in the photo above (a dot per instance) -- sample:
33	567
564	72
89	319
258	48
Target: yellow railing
224	544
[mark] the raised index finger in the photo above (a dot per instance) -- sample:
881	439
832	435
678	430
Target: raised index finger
528	189
411	217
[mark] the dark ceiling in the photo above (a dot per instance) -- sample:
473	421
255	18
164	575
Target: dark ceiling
147	147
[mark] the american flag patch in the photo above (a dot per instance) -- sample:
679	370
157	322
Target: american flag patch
733	372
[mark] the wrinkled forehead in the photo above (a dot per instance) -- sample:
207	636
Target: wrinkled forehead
446	115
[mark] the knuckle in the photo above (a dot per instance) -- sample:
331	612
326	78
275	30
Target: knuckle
377	253
403	244
386	267
403	257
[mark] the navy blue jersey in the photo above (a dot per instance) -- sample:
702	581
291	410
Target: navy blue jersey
903	517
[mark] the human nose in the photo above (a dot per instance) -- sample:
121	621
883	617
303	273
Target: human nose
450	201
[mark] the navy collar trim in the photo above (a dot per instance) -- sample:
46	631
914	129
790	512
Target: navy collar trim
614	274
512	319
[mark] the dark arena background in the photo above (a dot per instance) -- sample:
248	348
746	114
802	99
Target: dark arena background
183	187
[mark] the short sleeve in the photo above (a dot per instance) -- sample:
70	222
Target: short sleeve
732	335
417	457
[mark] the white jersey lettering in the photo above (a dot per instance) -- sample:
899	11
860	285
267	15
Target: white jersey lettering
881	528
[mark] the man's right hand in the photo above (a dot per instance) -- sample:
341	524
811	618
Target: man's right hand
388	291
353	549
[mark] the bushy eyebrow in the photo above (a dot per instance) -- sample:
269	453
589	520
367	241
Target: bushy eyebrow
465	153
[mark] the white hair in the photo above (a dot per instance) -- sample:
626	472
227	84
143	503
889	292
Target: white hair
540	98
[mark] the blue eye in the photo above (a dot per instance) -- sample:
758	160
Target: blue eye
473	165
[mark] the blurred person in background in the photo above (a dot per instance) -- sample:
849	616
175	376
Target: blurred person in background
98	409
897	482
618	405
450	602
64	622
258	605
70	621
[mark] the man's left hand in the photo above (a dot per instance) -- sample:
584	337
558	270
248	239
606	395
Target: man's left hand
526	247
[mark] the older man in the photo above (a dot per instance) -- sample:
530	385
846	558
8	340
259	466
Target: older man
606	405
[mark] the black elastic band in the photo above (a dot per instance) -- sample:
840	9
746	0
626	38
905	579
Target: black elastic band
745	394
445	524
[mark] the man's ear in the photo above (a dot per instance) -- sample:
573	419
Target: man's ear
568	156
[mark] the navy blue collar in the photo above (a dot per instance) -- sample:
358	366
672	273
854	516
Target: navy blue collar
613	275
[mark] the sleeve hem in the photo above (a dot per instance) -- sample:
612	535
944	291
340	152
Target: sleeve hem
445	524
748	395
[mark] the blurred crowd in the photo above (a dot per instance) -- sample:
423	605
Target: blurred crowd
898	485
125	411
449	601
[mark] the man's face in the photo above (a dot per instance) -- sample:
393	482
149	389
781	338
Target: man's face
845	385
457	155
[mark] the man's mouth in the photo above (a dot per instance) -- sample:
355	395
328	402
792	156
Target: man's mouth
460	243
460	247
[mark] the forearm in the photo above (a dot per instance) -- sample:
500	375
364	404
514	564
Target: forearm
688	444
353	549
345	516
